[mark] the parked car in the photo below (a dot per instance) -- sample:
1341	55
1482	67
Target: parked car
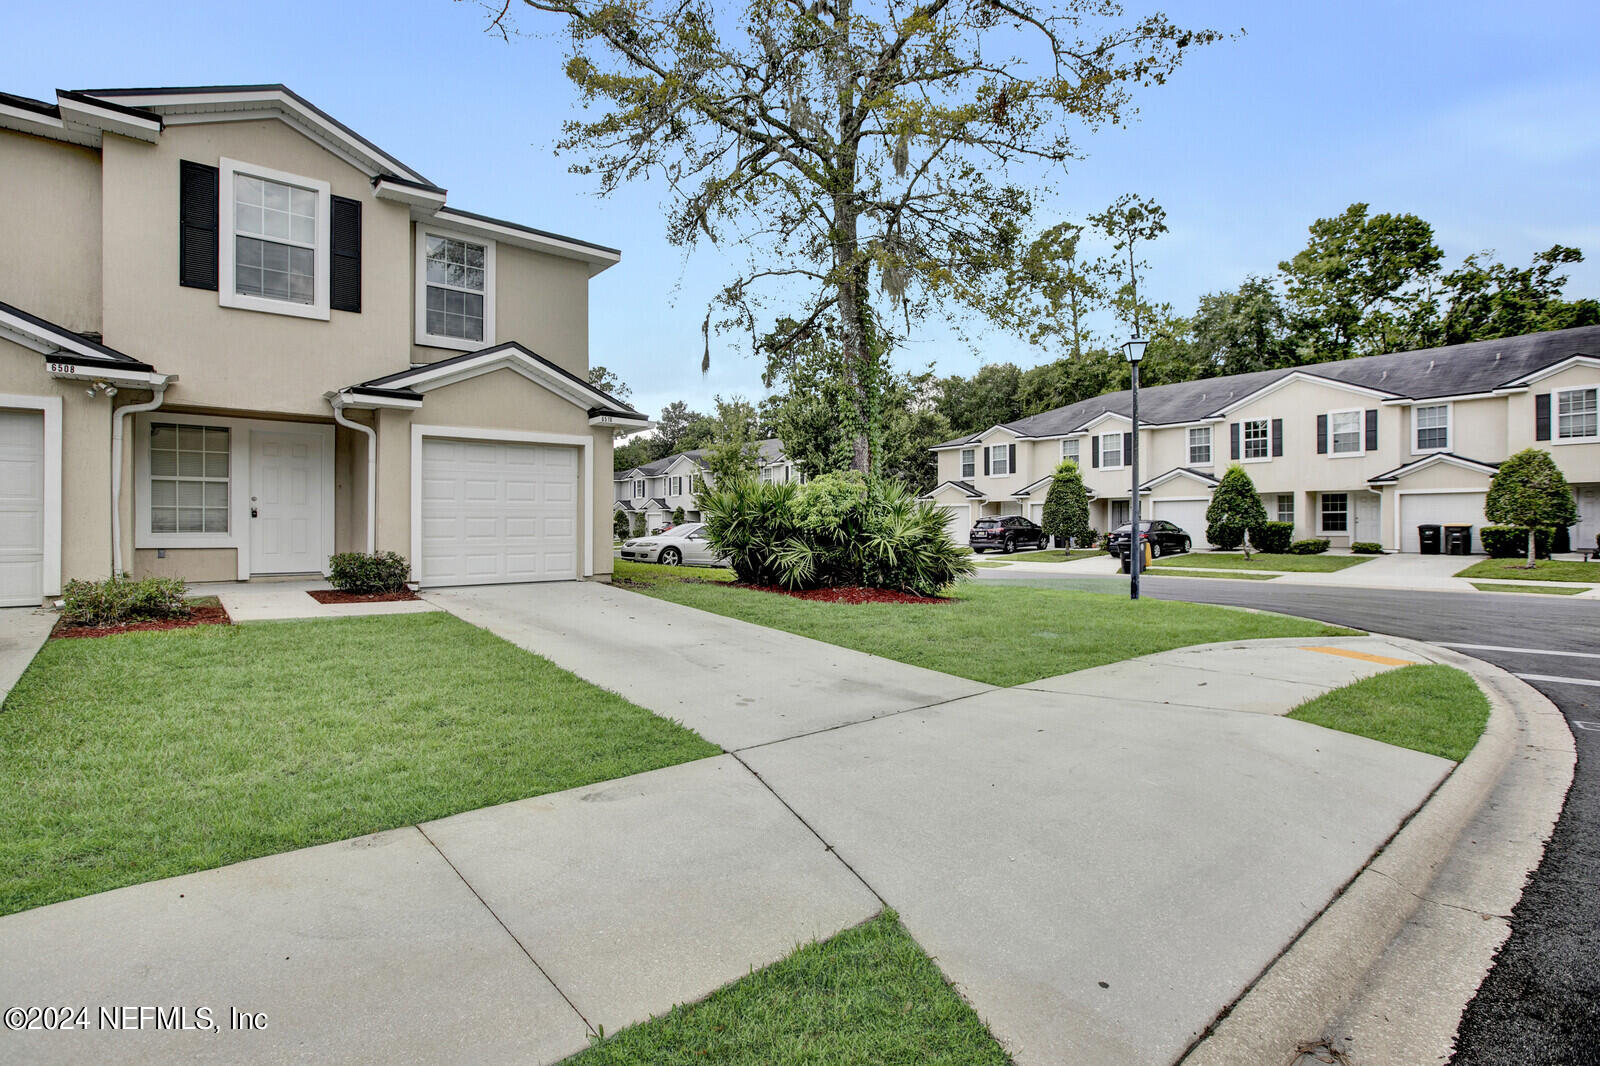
1005	534
685	545
1164	537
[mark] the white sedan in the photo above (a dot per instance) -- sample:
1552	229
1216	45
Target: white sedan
685	545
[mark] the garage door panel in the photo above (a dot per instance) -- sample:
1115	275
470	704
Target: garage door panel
1441	509
1187	515
21	508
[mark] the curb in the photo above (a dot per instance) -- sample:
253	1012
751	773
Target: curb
1332	972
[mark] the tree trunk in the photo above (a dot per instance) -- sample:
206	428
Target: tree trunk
853	282
1531	546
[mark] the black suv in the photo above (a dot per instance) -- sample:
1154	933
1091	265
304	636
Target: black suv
1005	534
1164	537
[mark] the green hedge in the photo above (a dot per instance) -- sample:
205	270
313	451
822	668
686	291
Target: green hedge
1309	547
1511	542
360	572
1367	547
122	599
1273	537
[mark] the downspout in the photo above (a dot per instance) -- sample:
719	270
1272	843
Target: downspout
338	404
159	388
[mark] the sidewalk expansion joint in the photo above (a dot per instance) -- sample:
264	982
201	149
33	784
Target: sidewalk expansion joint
1430	901
514	938
846	725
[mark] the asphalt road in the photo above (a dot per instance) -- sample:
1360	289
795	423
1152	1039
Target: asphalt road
1540	1004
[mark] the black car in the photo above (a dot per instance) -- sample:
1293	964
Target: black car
1164	537
1005	534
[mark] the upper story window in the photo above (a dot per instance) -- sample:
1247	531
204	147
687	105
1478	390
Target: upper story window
1344	432
1200	446
969	462
273	248
999	460
1070	450
455	290
638	489
1577	414
1433	427
1257	439
1110	449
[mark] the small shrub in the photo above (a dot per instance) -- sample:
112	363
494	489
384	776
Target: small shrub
1309	547
620	525
1511	542
359	572
1367	547
122	599
1090	540
1272	537
677	516
638	525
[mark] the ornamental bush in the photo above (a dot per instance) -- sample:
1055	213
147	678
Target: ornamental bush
1066	506
122	599
1367	547
1235	510
1511	542
1314	546
1529	490
1272	537
620	525
837	529
375	573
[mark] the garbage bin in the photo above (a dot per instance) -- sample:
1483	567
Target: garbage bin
1458	540
1428	539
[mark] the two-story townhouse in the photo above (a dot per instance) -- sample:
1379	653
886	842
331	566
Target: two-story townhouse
773	465
658	489
238	337
1359	450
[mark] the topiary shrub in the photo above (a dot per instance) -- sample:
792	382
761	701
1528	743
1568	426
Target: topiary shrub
620	525
1511	542
1272	537
838	529
122	599
1314	546
376	573
1235	510
677	516
1367	547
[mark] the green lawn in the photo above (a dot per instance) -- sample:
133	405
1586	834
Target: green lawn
1544	590
989	565
1231	575
996	634
1300	564
1052	555
140	756
867	996
1436	709
1543	570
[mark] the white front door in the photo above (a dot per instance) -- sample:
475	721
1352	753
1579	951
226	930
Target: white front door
21	508
1588	527
286	500
1367	518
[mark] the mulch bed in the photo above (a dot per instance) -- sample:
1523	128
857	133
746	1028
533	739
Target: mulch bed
335	596
846	594
199	616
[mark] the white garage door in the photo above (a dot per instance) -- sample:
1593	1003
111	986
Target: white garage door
1441	509
1187	515
958	521
495	512
21	508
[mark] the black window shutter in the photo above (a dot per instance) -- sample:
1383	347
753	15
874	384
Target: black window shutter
1127	449
1277	437
985	460
197	225
1233	439
344	247
1541	416
1372	429
1011	458
1322	434
1094	452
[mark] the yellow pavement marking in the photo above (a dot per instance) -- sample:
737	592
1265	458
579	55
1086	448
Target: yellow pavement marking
1350	653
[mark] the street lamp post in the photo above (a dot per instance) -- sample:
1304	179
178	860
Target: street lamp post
1134	350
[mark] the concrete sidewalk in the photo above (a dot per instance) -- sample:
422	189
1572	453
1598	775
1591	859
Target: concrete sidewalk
23	631
265	601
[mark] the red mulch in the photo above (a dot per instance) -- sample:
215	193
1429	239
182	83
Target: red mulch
848	594
200	616
335	596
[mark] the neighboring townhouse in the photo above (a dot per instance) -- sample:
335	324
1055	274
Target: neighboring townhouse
656	490
1358	450
238	337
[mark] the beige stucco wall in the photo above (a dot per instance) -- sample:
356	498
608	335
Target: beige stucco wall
191	564
1579	462
249	361
50	214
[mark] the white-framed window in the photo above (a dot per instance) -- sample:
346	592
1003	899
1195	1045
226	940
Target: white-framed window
676	486
969	462
189	478
1285	507
1433	427
1070	450
272	248
1577	414
1257	439
455	290
1335	512
766	475
1199	445
638	489
1110	450
999	460
1344	433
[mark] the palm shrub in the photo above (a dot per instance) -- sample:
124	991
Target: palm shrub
1235	510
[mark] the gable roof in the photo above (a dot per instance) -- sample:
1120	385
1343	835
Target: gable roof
657	467
1201	476
1415	465
60	345
1474	368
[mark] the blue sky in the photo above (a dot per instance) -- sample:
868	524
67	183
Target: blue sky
1479	117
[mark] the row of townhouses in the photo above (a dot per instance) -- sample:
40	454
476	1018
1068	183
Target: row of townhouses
1358	450
238	337
655	491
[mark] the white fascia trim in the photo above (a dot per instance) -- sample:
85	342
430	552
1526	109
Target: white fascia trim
80	113
25	121
1429	401
1088	427
1170	474
227	284
1554	368
983	438
586	507
138	379
429	200
1300	375
621	424
1429	460
427	379
597	259
423	338
43	341
364	402
50	407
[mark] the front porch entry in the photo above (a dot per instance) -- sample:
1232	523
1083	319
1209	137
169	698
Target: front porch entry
286	519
